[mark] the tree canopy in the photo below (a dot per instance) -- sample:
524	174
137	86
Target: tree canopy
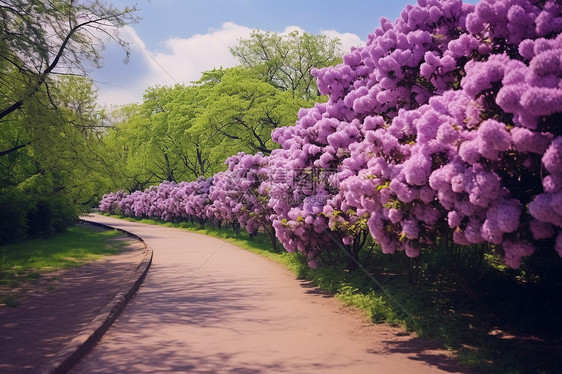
56	143
39	39
285	61
50	125
183	132
242	110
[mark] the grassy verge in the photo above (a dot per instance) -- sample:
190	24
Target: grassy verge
27	260
510	324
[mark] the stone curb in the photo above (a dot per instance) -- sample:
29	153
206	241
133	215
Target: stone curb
86	339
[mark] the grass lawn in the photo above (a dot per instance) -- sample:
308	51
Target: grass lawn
27	260
511	325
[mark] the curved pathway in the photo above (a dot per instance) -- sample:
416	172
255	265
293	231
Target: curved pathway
207	306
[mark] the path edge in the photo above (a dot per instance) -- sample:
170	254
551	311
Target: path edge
81	344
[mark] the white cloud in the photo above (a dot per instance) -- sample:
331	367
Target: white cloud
184	59
348	40
111	97
188	58
290	29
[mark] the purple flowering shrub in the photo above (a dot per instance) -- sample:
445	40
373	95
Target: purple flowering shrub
446	125
167	201
469	163
370	88
239	195
220	211
109	203
301	180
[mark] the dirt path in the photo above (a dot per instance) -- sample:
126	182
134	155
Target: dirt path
207	306
58	306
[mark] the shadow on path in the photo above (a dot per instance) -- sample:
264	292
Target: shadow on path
57	307
207	306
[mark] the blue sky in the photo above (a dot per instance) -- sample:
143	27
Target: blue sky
176	40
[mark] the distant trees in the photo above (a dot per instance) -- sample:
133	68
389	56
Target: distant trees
156	141
183	132
285	61
241	111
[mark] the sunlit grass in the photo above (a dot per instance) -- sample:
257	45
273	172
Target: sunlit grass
27	260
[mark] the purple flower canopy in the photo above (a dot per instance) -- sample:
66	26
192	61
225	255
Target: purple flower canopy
446	124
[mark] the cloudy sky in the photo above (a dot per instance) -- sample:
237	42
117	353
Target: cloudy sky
177	40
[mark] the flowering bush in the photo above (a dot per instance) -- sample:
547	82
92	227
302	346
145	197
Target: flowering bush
445	125
110	202
466	164
167	201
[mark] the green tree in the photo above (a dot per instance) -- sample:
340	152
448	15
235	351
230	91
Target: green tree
154	141
124	150
185	141
39	39
49	123
184	132
85	126
42	184
241	111
285	61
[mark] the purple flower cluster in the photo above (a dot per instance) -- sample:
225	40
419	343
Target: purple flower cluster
168	201
445	125
238	194
109	202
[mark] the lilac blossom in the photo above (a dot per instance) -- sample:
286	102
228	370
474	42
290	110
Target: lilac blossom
444	125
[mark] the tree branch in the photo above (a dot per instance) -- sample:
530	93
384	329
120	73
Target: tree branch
13	149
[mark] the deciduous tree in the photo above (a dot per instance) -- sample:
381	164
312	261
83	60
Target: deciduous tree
285	60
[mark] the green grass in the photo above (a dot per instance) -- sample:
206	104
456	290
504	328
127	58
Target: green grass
27	260
435	306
